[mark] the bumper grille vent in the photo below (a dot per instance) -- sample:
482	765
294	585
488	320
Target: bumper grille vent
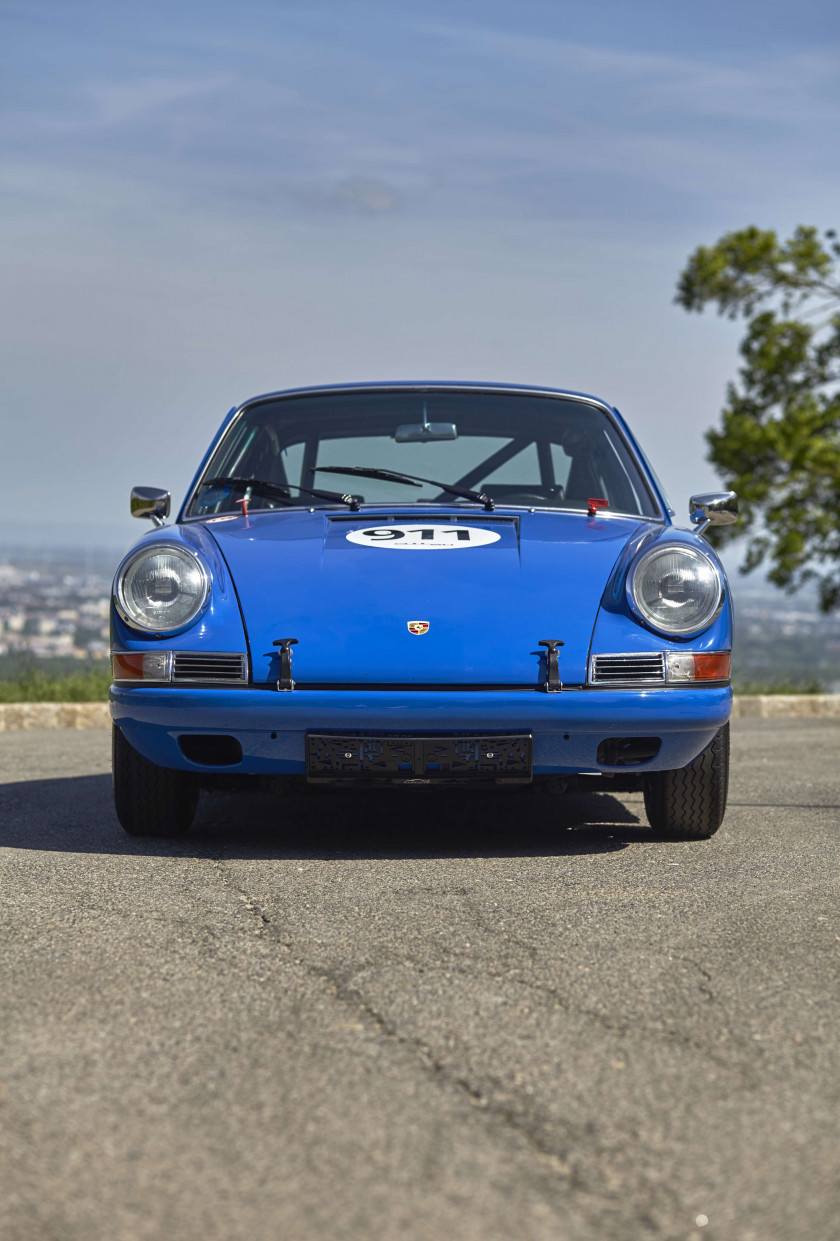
194	666
628	669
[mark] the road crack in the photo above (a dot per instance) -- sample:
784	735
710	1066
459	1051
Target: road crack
580	1154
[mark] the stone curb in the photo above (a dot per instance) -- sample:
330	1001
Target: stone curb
26	715
786	706
78	715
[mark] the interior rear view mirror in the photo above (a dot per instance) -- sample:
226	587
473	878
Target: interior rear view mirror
417	432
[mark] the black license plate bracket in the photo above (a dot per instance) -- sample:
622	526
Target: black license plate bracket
453	757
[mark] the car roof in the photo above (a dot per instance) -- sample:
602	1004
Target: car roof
424	384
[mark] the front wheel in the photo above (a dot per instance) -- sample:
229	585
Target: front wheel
689	804
150	800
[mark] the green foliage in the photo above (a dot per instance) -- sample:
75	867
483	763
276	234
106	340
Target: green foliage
37	681
779	441
748	688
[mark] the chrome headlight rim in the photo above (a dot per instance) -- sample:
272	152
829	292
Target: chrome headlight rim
153	549
654	623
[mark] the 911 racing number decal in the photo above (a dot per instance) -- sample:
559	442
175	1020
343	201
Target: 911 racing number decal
420	538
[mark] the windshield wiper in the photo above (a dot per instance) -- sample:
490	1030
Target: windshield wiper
275	491
412	480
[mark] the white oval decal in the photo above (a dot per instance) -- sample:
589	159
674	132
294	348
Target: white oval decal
420	538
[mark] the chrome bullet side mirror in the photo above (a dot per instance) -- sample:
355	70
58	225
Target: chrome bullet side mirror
150	502
713	508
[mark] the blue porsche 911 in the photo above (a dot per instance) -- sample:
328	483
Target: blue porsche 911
307	616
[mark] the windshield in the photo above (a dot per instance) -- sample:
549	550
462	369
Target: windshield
521	450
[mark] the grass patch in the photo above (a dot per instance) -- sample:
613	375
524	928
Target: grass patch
777	687
32	681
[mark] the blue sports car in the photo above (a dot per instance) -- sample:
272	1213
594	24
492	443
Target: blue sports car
306	615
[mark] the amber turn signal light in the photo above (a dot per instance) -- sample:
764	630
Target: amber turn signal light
715	666
711	666
145	666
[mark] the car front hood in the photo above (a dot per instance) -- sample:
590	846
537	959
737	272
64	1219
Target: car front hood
488	596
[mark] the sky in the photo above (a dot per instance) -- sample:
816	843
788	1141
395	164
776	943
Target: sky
205	201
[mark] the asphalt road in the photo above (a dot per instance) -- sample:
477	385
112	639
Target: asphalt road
420	1015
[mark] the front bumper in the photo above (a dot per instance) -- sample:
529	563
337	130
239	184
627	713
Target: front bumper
567	727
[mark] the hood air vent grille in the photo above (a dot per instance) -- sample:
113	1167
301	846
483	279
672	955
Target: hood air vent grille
201	666
628	669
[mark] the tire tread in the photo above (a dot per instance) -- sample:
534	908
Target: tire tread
689	804
150	800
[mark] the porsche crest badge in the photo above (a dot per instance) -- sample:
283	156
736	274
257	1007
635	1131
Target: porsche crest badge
418	627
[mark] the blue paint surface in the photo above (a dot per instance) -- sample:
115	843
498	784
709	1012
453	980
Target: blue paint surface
567	727
292	573
299	576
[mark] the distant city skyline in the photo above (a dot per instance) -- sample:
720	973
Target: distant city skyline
204	203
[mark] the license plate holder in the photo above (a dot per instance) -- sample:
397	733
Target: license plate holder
426	758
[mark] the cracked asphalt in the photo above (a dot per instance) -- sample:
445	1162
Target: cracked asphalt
420	1016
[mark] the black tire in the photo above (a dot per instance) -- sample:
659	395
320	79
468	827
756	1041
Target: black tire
689	804
150	800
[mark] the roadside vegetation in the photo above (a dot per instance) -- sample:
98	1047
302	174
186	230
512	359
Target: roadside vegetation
777	687
30	680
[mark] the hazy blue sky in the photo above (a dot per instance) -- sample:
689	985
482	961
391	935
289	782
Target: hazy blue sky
204	201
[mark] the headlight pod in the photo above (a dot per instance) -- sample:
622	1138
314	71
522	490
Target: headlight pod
675	589
161	588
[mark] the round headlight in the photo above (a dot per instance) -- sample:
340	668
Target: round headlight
161	588
675	589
